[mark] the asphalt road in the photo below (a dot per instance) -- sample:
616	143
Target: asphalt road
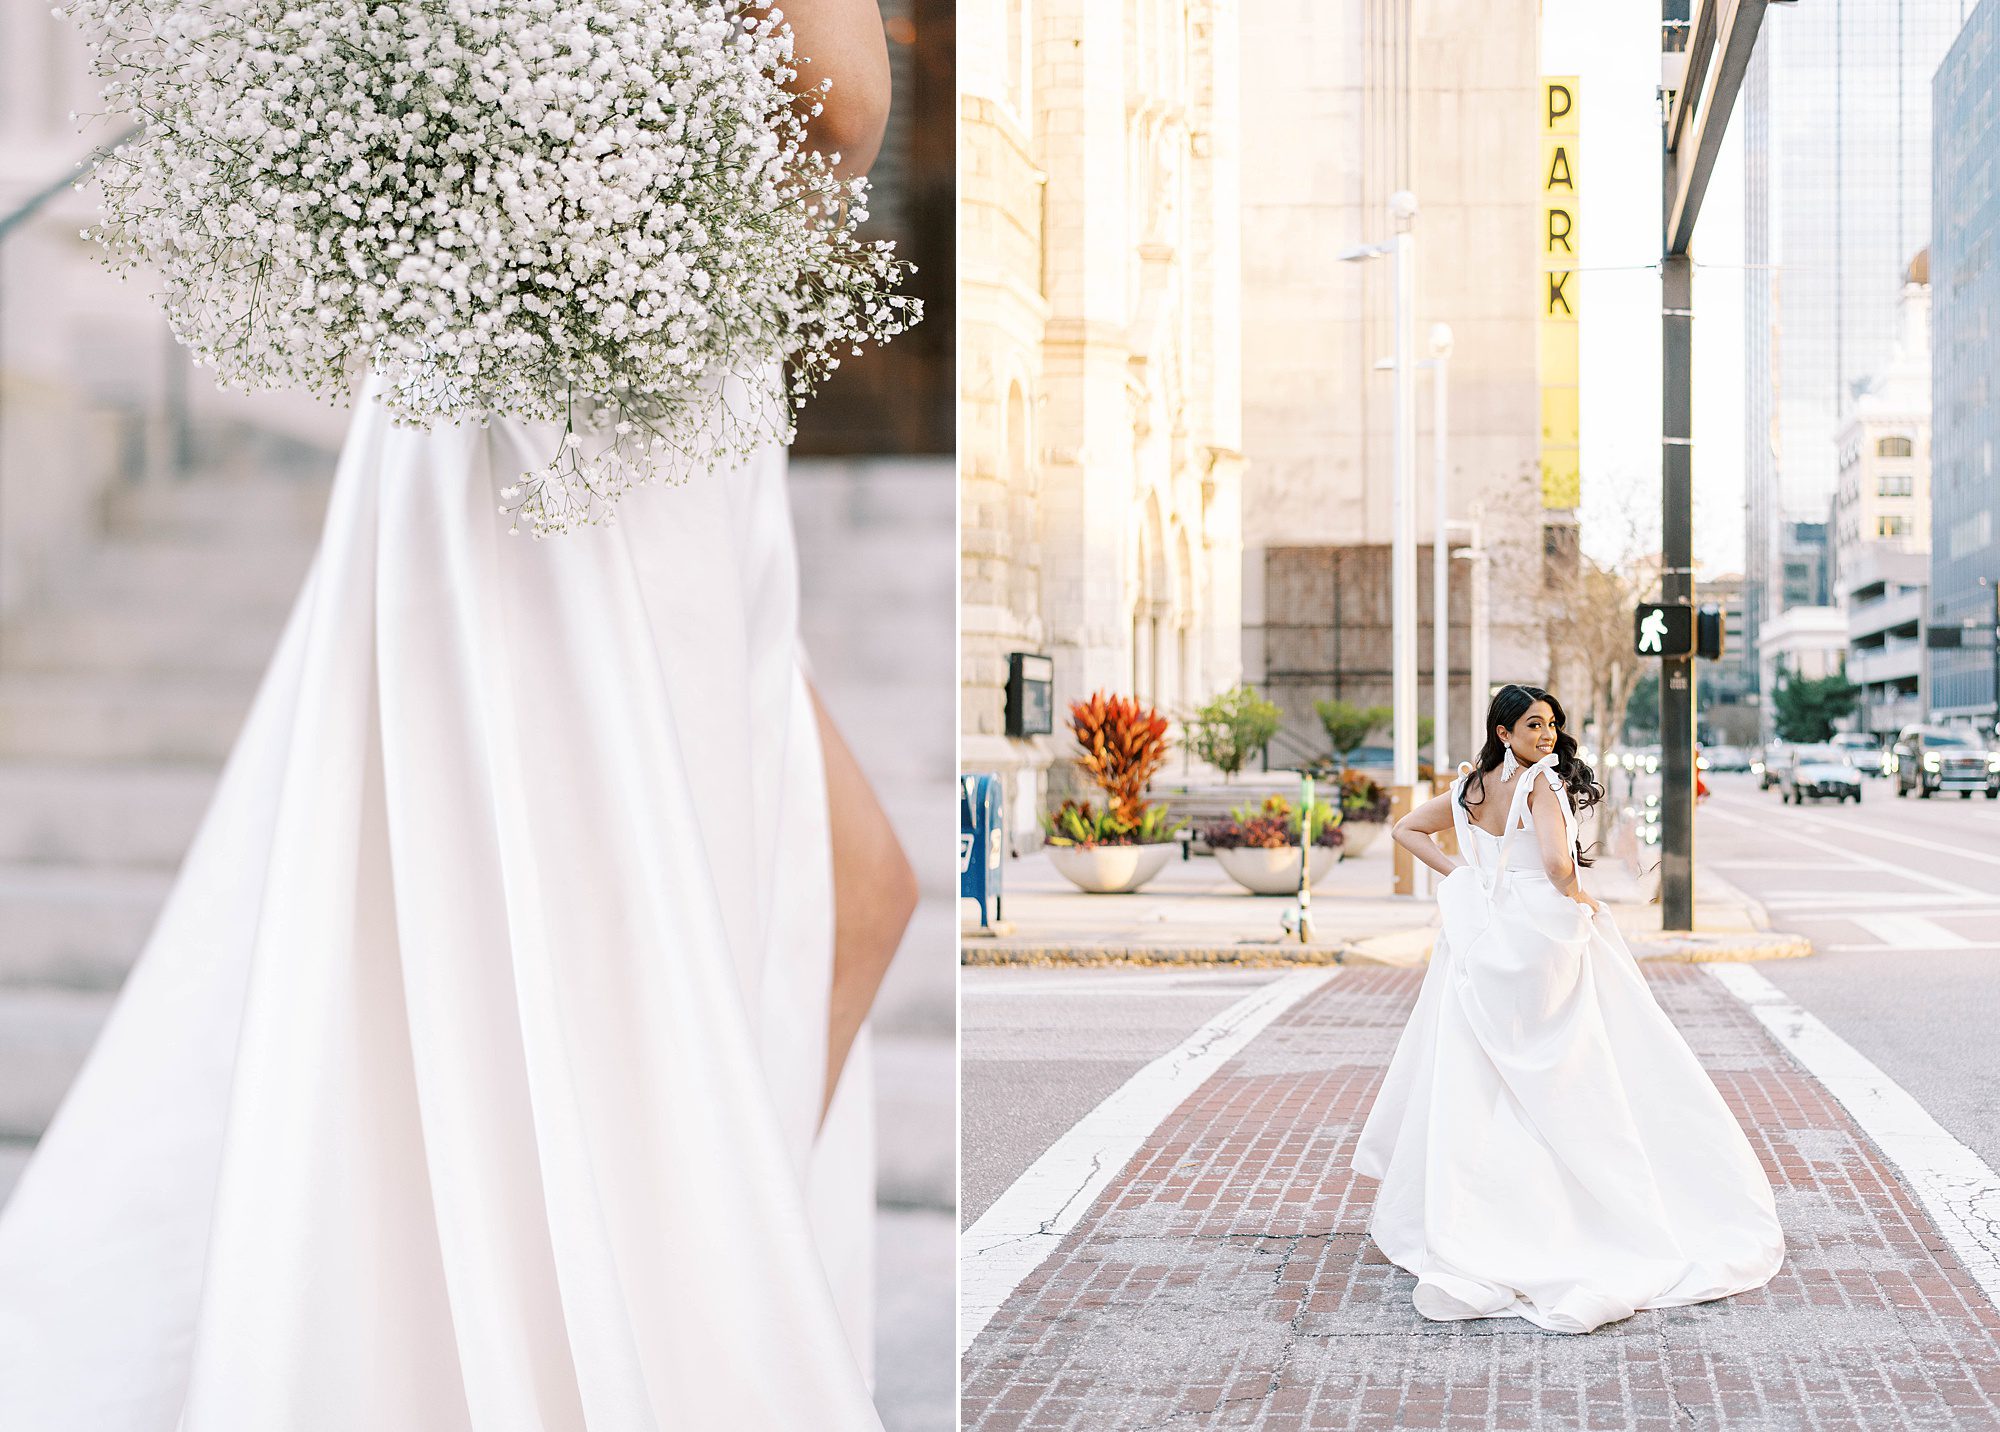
1901	899
1040	1048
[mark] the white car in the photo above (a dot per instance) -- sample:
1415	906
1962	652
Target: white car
1819	772
1864	751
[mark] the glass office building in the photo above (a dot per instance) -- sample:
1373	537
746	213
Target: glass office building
1965	367
1837	198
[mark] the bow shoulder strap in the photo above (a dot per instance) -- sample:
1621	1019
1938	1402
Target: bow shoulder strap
1461	823
1546	768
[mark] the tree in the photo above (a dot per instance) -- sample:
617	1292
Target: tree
1348	725
1808	706
1642	712
1228	729
1588	611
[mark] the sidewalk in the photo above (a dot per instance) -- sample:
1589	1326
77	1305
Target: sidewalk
1193	913
1223	1278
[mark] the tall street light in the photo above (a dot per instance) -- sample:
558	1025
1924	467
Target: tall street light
1440	366
1482	627
1402	509
1403	505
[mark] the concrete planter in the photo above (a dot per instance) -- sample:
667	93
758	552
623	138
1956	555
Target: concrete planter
1266	871
1110	869
1357	835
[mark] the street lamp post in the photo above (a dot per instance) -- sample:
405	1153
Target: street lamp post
1403	517
1479	559
1440	365
1403	507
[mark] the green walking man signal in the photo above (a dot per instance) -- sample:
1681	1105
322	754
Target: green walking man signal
1677	629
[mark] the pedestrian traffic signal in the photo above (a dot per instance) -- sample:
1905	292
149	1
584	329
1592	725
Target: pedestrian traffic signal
1708	638
1662	629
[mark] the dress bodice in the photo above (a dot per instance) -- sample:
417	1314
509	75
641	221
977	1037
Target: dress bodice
1523	853
1519	850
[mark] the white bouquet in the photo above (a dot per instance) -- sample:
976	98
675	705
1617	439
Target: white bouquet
585	211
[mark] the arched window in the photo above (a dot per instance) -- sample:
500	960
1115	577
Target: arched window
1892	447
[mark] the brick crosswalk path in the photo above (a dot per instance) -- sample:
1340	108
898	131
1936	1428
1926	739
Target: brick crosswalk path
1224	1278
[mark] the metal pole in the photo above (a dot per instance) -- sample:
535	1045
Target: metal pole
1482	678
1403	546
1440	555
1677	585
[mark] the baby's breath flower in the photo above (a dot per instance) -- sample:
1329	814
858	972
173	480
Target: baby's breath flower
582	211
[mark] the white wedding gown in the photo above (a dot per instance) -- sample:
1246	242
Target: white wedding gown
1548	1146
469	1080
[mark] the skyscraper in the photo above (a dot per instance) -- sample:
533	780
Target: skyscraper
1837	191
1965	491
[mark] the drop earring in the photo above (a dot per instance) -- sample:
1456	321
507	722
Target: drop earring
1508	764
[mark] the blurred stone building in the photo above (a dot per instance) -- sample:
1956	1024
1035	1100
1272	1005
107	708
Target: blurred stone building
1442	98
1099	383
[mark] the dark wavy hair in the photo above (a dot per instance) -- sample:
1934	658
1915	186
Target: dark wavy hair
1510	703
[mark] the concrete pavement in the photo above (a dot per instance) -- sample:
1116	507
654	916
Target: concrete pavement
1192	913
1222	1278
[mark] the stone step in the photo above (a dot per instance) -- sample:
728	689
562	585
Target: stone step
124	635
44	1036
241	510
121	716
916	1112
74	927
100	813
188	573
919	996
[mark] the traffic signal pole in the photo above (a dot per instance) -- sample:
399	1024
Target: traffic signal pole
1677	587
1705	55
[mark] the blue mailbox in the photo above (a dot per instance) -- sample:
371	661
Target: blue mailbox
982	840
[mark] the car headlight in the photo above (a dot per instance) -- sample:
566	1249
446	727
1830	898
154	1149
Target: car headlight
1932	763
1993	762
1756	768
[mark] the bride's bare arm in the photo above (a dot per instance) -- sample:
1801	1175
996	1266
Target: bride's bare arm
842	41
1416	833
1552	836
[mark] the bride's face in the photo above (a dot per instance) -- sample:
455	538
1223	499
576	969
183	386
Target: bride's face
1534	735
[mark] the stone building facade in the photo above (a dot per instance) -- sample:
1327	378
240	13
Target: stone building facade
1099	379
1440	97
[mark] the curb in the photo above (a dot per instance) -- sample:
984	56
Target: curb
1253	954
1723	949
1400	949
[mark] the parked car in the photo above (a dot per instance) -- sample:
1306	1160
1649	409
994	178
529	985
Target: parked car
1819	772
1864	751
1728	758
1945	758
1768	765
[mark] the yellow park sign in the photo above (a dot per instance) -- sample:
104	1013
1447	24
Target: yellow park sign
1557	345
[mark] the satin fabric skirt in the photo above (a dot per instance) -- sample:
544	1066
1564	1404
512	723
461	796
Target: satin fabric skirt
1548	1146
470	1077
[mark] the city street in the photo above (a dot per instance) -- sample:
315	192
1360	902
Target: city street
1162	1231
1901	899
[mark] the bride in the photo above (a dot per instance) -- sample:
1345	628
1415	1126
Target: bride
498	1060
1548	1146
